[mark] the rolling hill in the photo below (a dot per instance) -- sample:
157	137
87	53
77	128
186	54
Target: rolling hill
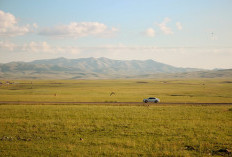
93	68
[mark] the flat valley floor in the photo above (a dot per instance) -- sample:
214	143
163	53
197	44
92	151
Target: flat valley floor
108	129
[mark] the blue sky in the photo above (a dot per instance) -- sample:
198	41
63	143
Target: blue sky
182	33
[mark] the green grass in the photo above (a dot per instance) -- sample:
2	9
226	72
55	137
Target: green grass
156	130
182	90
55	130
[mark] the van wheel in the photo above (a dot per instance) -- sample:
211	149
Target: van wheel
146	101
156	101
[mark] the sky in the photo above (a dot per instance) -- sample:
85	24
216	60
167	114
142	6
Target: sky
193	33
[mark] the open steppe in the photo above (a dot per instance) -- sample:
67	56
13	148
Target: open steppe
168	91
118	125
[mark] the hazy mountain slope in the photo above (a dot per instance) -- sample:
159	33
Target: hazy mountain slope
92	68
226	73
104	65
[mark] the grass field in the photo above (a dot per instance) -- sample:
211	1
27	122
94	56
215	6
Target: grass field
55	130
103	130
204	90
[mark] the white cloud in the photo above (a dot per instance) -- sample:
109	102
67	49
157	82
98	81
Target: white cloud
7	46
179	26
81	29
9	25
163	26
44	47
35	25
37	47
150	32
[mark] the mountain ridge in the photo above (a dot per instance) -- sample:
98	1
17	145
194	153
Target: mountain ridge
89	68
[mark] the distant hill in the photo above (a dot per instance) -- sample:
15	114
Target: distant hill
223	73
93	68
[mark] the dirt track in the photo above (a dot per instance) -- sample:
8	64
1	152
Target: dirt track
110	103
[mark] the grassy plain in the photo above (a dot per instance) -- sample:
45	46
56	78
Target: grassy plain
55	130
182	90
155	130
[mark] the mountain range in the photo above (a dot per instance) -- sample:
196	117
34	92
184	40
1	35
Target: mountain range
94	68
